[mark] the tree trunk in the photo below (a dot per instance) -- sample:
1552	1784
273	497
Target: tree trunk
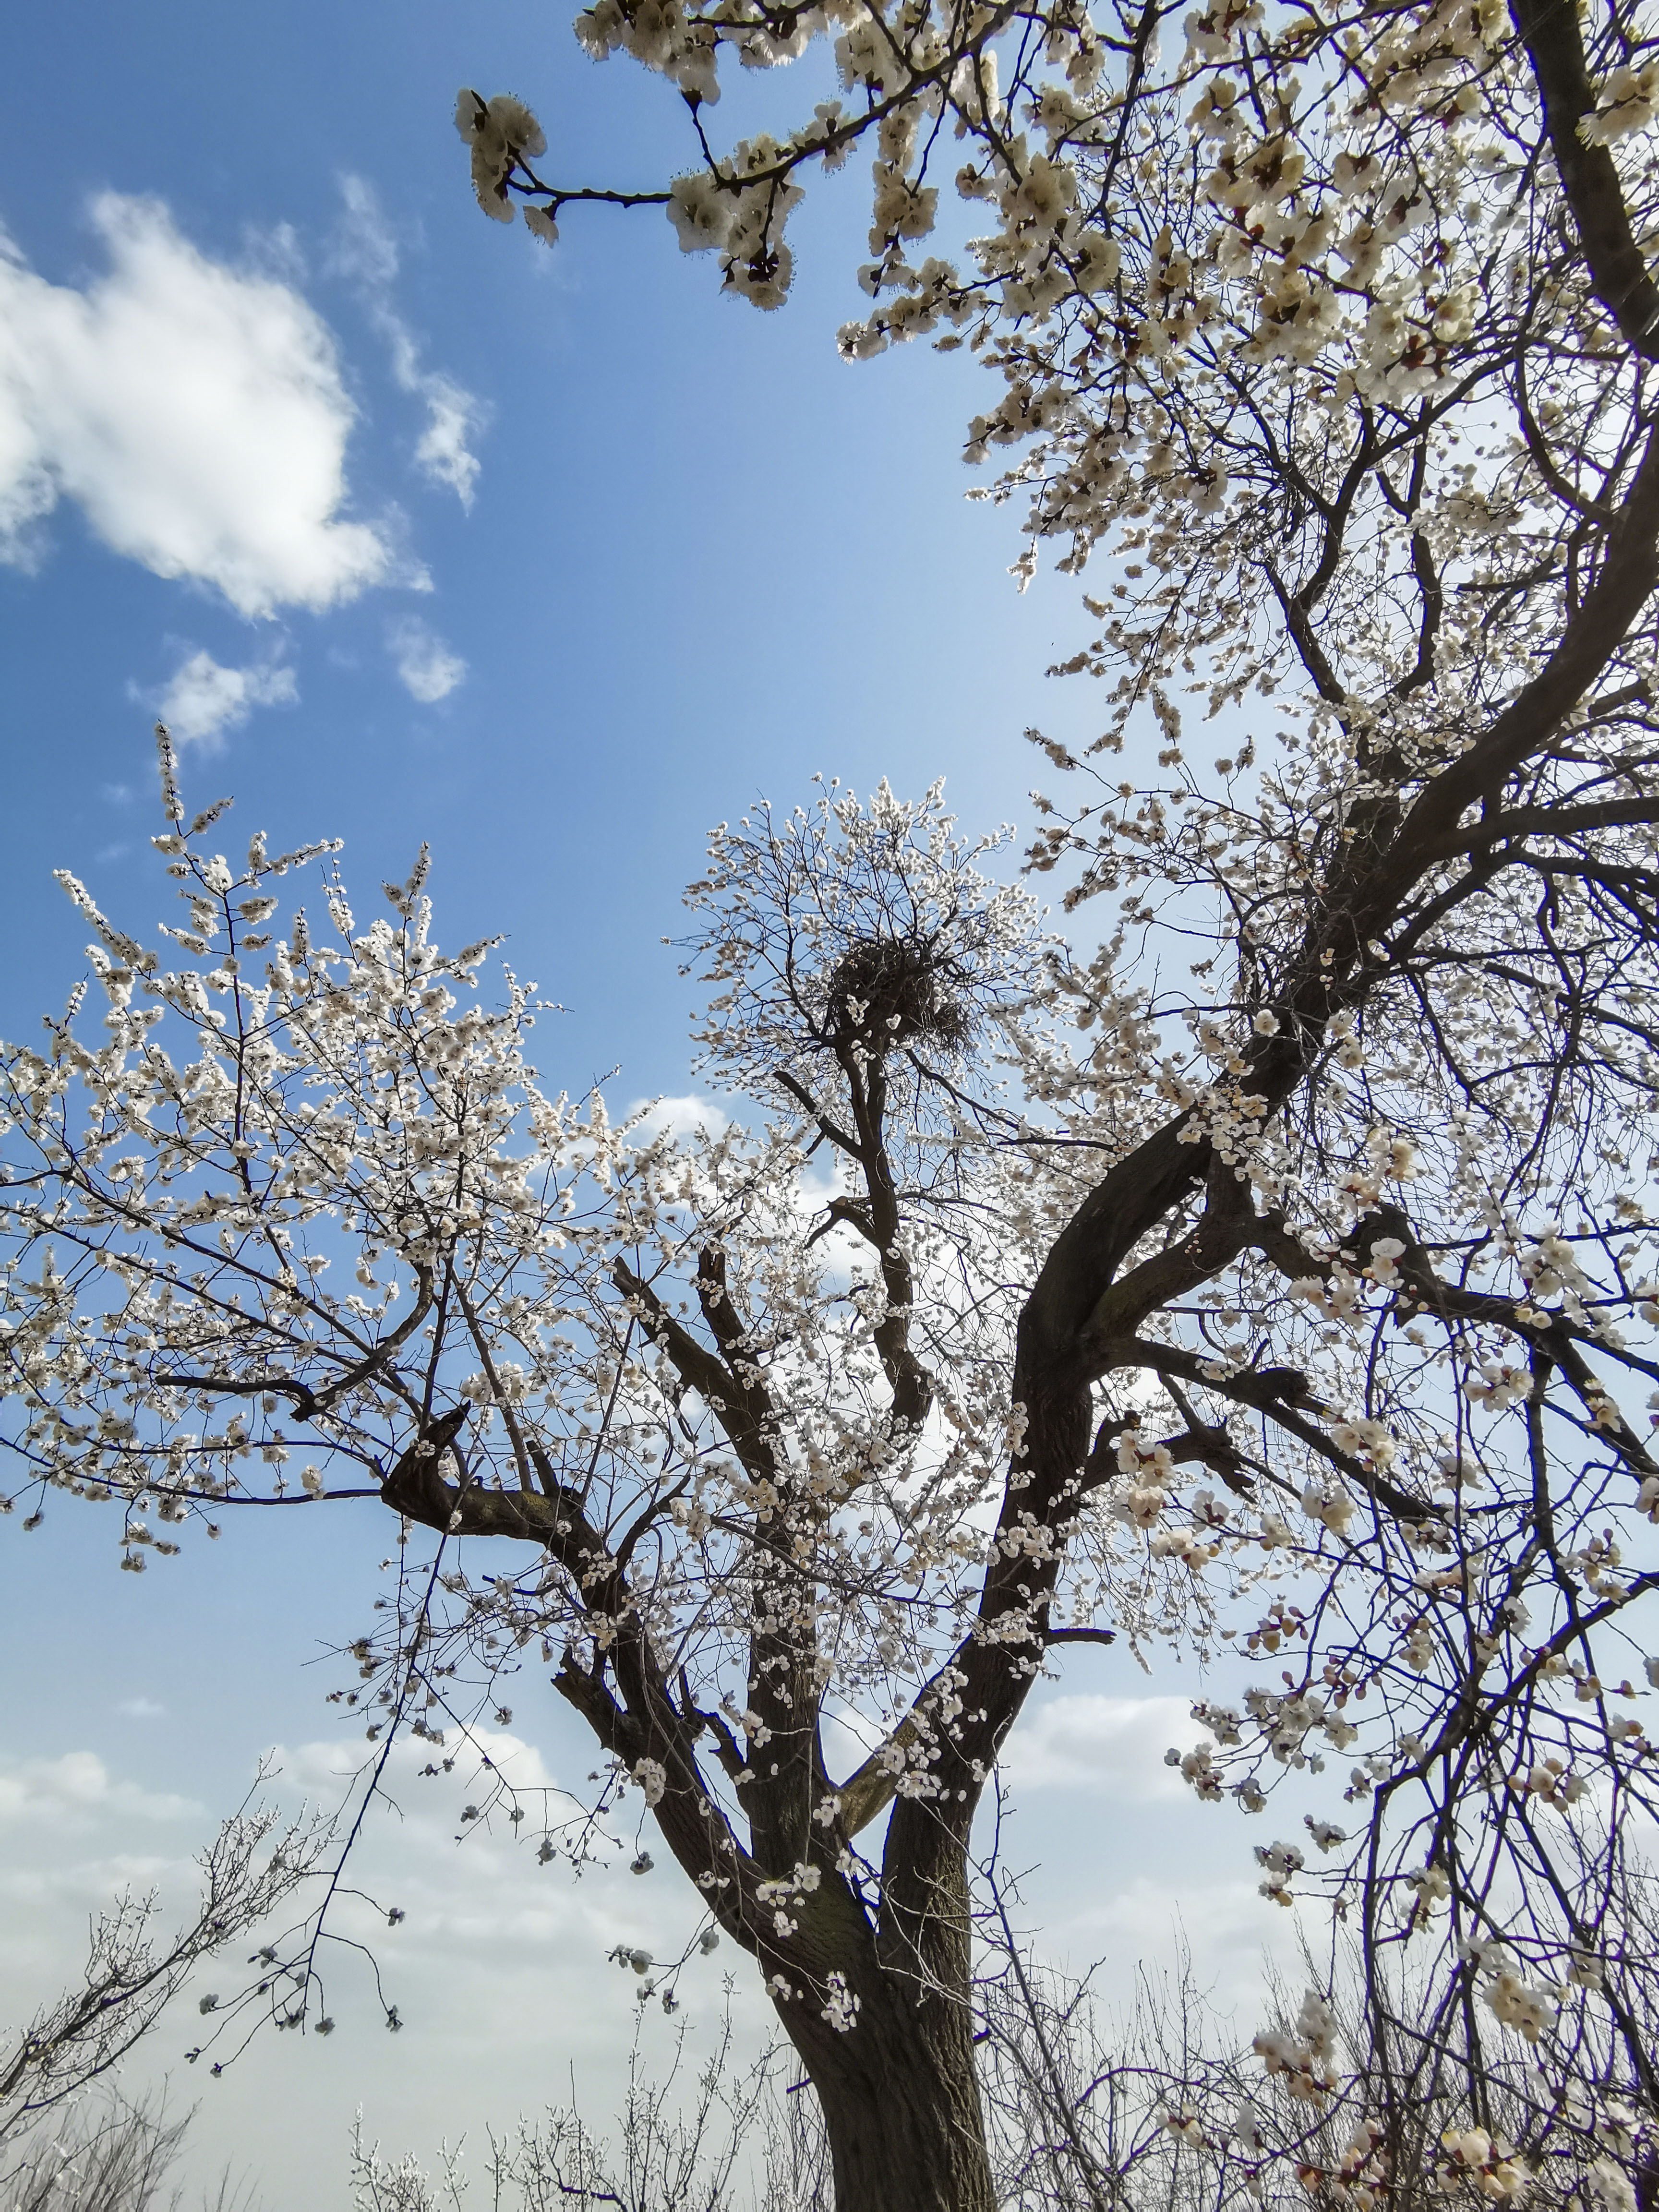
901	2105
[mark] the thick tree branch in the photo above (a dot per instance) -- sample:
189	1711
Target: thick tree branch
1589	177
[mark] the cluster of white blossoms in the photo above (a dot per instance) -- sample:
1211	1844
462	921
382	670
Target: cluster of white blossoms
739	219
502	133
1305	2051
1517	2004
1489	2162
651	1779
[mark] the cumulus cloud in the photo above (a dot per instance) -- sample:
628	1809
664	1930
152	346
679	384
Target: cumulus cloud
77	1788
365	249
427	669
678	1117
195	411
1114	1745
202	700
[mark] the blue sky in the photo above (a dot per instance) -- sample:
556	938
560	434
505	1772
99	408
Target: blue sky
703	558
610	555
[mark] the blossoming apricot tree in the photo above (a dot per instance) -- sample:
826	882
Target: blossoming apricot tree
1279	1274
1334	330
754	1462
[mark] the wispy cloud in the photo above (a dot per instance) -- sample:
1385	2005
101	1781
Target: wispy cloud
365	248
427	668
202	701
194	411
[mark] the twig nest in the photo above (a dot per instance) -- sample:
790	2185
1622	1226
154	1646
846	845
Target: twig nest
886	991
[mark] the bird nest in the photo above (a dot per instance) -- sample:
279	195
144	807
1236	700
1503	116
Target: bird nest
885	992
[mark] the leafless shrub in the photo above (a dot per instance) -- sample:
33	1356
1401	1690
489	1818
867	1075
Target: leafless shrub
744	2135
114	2155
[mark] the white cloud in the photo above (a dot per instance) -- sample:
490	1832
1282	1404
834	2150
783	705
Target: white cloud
203	701
443	452
365	248
429	669
76	1787
320	1765
1111	1744
1233	1936
678	1117
194	411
